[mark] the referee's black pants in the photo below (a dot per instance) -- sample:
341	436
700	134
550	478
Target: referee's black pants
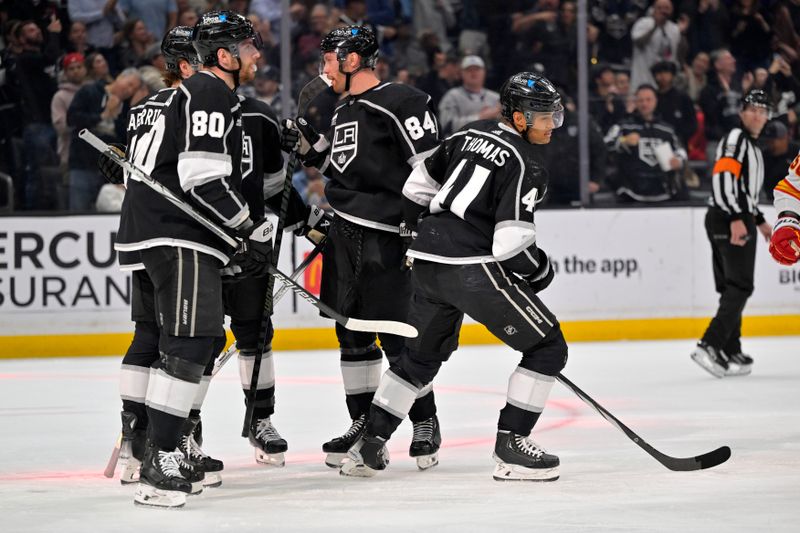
734	267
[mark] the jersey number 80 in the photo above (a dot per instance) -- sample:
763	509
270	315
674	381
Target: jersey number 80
203	123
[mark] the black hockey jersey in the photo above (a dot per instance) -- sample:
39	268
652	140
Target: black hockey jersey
480	188
191	142
376	139
263	173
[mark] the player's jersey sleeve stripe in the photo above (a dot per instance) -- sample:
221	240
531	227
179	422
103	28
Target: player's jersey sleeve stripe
787	196
198	168
273	183
420	187
513	237
785	187
232	221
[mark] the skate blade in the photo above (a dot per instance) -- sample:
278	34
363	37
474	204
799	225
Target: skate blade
335	460
277	460
130	471
354	469
713	369
212	479
509	472
738	370
197	488
149	496
424	462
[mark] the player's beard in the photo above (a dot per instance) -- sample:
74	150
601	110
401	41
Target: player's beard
248	72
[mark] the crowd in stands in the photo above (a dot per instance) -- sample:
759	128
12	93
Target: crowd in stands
666	79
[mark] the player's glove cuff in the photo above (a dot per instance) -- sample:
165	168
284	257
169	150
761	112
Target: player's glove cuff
784	245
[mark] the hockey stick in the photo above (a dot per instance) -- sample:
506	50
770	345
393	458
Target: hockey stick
300	269
230	352
307	94
678	464
353	324
114	459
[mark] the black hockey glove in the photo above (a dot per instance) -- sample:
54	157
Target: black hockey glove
408	236
301	136
318	222
255	250
541	279
109	169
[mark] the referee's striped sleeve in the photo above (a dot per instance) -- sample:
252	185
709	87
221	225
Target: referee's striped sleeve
727	172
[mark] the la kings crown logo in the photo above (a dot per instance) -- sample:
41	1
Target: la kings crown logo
345	145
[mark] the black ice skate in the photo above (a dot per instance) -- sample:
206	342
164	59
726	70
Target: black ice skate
188	445
367	457
711	359
739	364
131	451
161	481
519	458
425	443
337	448
268	443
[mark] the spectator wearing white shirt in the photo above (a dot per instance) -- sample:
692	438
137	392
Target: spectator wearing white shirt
470	102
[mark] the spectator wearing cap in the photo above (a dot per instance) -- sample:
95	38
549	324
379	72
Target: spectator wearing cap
268	89
674	106
655	38
470	102
779	151
73	78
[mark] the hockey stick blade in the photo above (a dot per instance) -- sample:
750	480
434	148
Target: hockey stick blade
114	459
310	91
677	464
354	324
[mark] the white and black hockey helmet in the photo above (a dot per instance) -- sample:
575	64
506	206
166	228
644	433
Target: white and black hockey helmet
347	40
177	46
531	94
223	29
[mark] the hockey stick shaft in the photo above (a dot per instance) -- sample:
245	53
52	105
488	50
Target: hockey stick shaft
300	269
307	94
139	175
230	352
114	459
707	460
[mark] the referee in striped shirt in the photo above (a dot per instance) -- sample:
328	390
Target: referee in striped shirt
731	223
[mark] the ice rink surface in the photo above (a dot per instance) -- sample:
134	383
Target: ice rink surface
59	419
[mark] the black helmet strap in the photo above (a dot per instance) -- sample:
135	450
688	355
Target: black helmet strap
234	73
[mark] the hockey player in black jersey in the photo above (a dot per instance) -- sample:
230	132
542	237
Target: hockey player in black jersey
199	158
476	253
262	182
143	353
379	133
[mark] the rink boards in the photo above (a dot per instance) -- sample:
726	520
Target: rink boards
621	274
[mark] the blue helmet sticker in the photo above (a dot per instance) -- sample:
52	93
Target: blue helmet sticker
530	83
354	31
223	17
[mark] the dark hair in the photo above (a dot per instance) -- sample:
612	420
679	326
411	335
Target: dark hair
648	87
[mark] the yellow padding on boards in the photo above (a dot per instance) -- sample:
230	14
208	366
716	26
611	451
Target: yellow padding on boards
100	344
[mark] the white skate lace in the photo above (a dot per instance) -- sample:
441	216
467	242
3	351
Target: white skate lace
194	450
355	427
169	463
423	431
266	432
529	447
